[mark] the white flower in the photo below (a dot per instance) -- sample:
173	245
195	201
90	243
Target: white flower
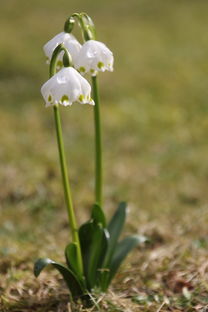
65	87
69	41
94	56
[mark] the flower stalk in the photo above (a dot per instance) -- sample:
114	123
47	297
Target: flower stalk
63	163
88	31
94	56
98	144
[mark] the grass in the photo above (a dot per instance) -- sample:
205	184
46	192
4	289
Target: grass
154	114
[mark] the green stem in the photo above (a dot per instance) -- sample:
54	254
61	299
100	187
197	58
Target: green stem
63	164
67	191
98	144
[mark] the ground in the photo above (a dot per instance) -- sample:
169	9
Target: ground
155	125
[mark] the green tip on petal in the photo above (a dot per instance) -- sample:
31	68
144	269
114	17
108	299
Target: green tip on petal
81	97
100	65
49	98
64	98
82	69
59	64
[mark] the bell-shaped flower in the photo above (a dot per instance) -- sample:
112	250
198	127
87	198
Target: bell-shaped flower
94	56
69	41
65	87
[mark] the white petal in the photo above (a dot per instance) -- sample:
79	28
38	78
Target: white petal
73	46
68	40
94	56
65	87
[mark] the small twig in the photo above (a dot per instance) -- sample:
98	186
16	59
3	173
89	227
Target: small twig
192	277
159	309
96	304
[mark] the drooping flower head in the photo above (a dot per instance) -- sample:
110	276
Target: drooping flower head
69	41
94	56
65	87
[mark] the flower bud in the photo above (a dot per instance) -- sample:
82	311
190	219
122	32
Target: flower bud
69	24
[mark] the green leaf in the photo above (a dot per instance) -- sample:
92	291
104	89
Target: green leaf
121	251
93	240
71	254
98	215
115	227
71	280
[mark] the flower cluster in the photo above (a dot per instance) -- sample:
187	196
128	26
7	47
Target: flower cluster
68	85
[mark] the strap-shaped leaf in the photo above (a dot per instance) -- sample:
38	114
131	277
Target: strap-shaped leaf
121	251
115	227
71	254
94	240
72	282
98	215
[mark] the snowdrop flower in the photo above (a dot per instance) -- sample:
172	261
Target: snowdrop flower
69	41
94	56
65	87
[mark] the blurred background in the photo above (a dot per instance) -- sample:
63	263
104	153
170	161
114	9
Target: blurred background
154	121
